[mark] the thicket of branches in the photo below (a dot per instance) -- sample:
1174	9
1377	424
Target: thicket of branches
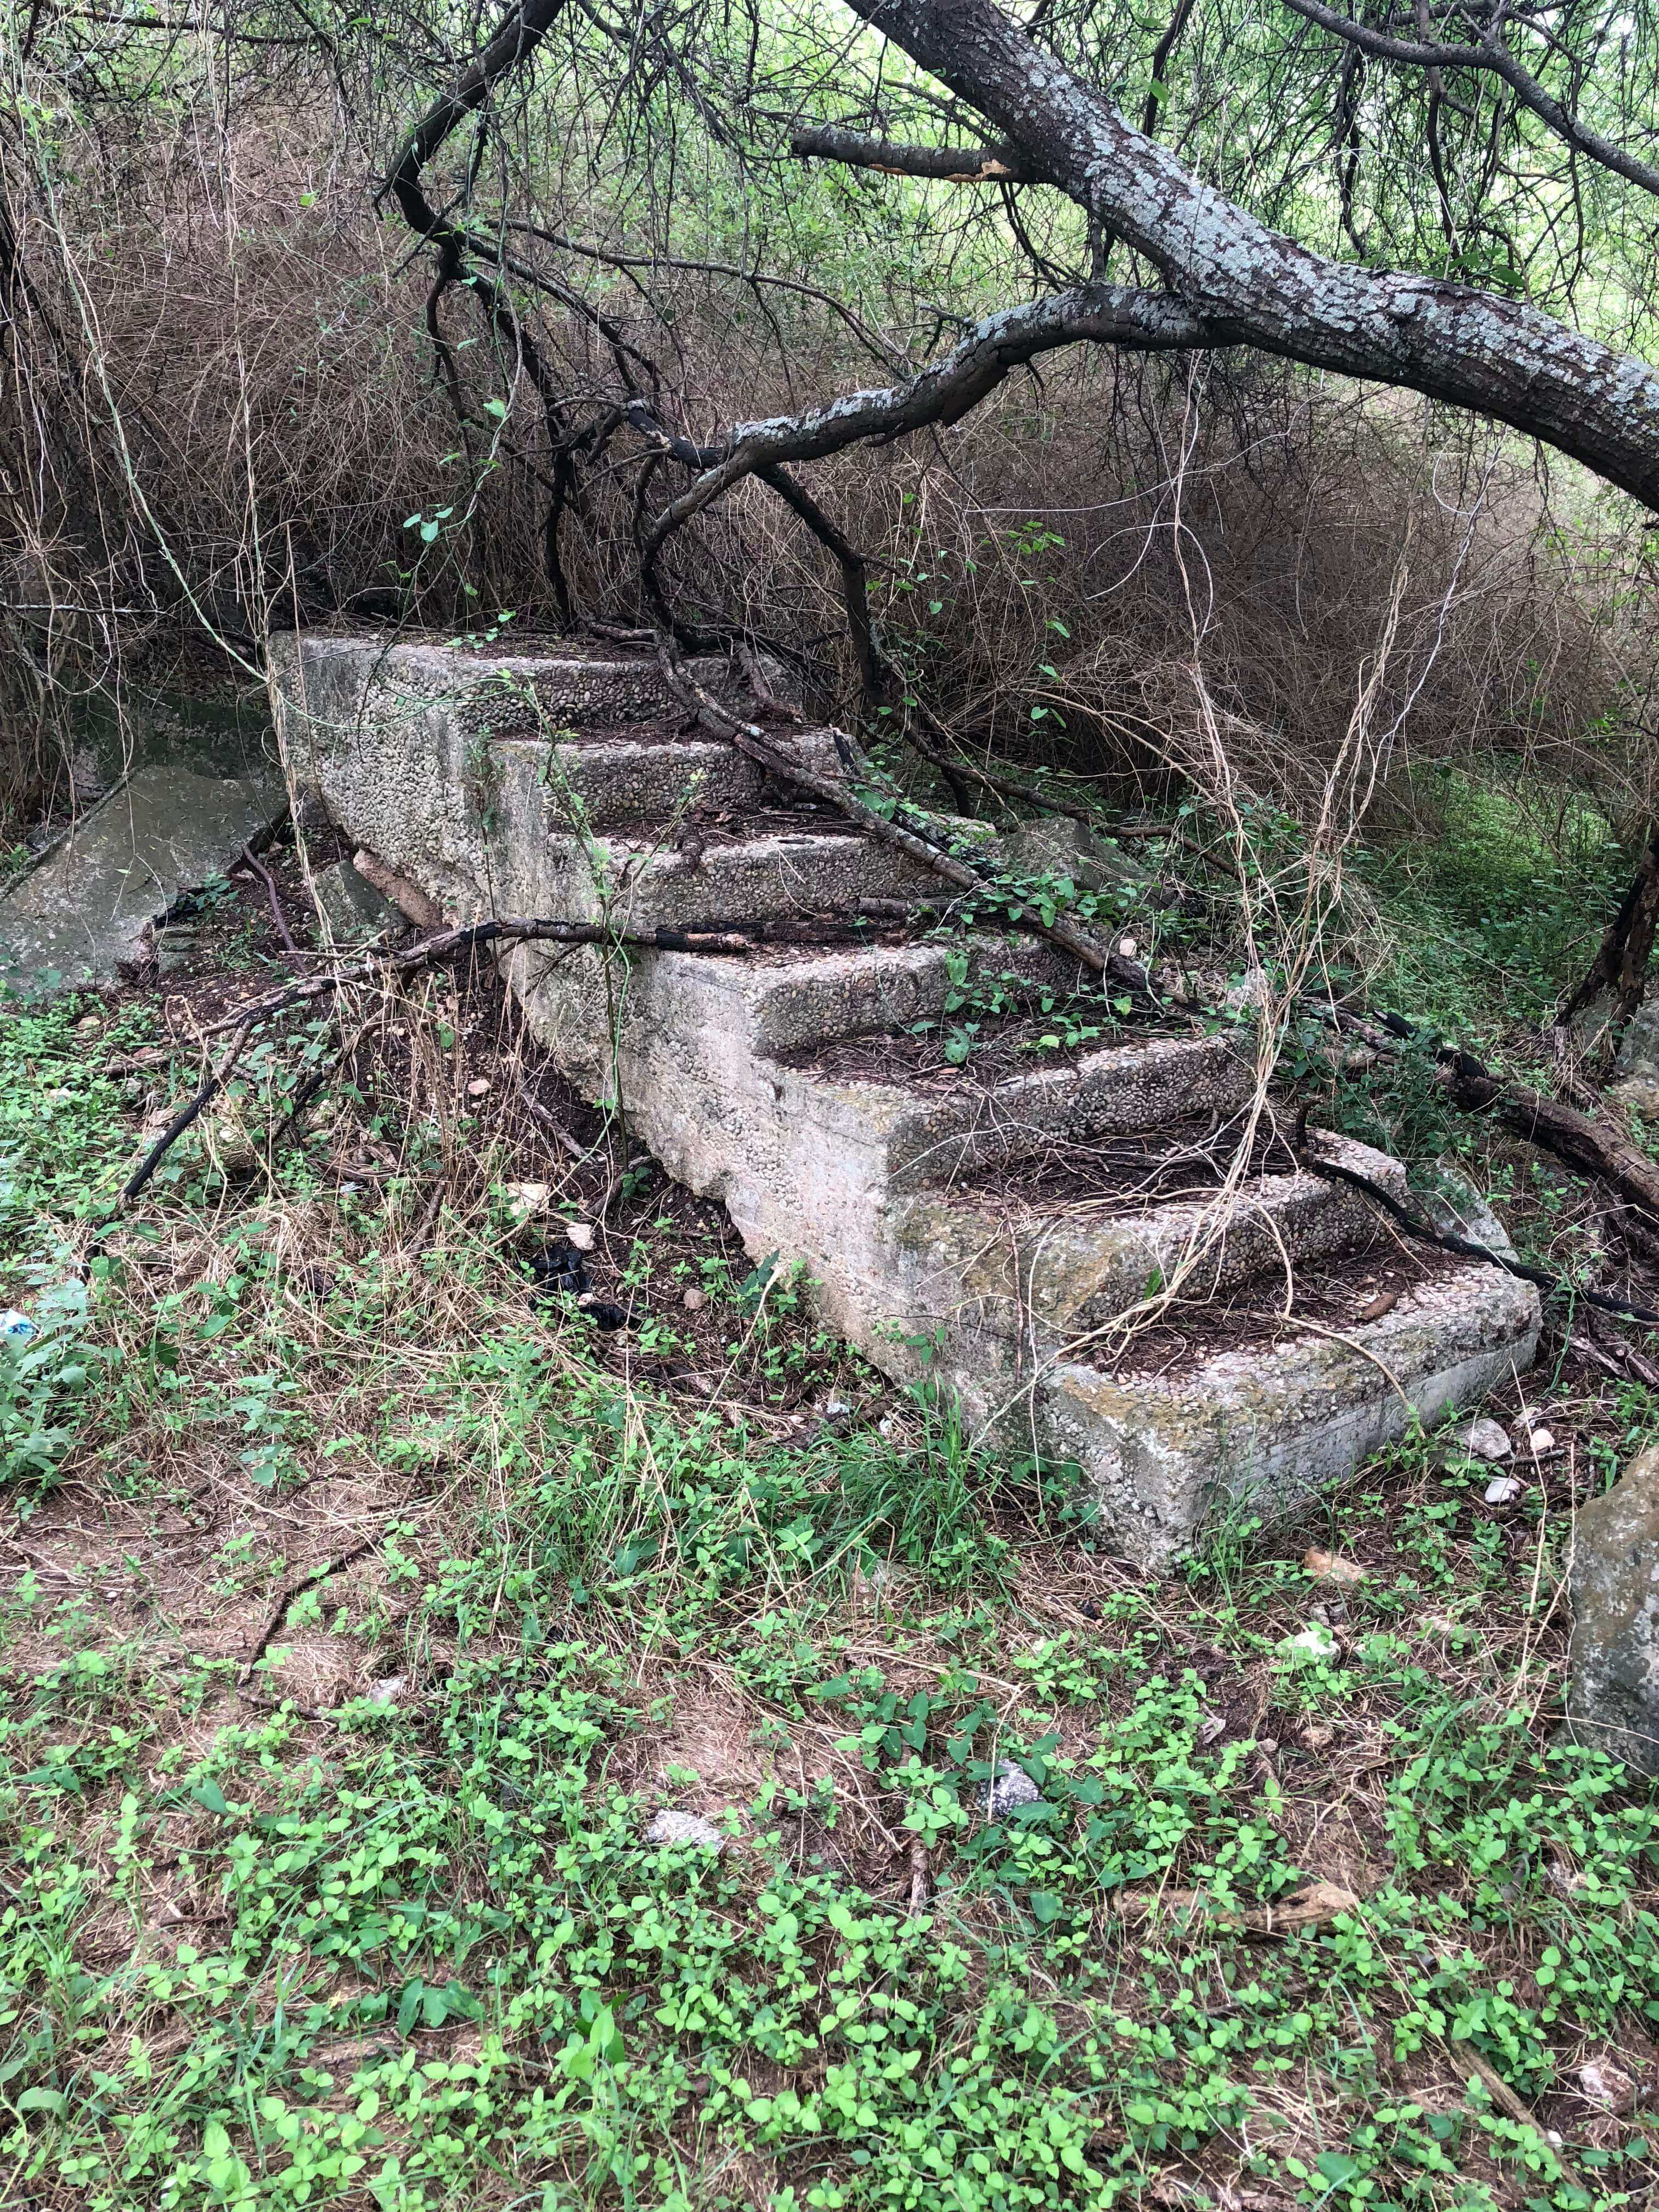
266	359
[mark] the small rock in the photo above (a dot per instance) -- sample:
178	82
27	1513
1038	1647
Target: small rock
479	1087
1605	2084
1539	1442
579	1234
1129	948
1210	1728
1484	1439
1327	1567
1315	1642
1613	1582
835	1407
1010	1786
887	1426
527	1201
389	1690
1503	1489
87	1024
695	1300
671	1828
1317	1737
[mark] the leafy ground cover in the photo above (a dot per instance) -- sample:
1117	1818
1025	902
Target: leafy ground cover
359	1615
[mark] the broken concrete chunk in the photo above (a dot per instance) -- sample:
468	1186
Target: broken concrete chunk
1613	1691
1010	1786
1060	847
1455	1208
1483	1438
355	911
410	900
669	1827
92	904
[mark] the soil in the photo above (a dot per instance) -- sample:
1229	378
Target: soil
1001	1046
1335	1298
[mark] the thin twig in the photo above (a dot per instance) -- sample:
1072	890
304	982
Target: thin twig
211	1085
270	882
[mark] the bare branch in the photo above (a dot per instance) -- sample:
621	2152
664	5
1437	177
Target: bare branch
1493	55
942	393
951	165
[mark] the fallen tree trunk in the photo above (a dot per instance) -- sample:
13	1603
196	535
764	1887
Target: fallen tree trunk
1585	1144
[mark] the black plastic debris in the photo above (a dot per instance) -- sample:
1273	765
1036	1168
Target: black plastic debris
559	1271
602	1313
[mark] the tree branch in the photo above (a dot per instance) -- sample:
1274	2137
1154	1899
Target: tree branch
1472	348
944	392
1490	54
951	165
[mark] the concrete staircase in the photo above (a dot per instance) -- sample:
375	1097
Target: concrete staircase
1108	1254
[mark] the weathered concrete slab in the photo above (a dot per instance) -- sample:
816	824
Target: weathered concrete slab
355	912
1613	1693
91	900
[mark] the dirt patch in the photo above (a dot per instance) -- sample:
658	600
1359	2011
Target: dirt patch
1328	1298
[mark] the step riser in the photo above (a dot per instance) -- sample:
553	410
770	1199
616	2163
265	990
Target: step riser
1112	1092
609	785
764	879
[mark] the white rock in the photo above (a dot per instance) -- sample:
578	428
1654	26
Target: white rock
1012	1786
1608	2085
1539	1442
527	1201
579	1234
695	1300
479	1087
1315	1642
1484	1439
1128	948
389	1690
669	1827
1503	1489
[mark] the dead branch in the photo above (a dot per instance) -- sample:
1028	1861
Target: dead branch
951	165
272	898
1492	55
1469	1248
981	881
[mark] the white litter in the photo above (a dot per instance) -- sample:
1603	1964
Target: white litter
669	1827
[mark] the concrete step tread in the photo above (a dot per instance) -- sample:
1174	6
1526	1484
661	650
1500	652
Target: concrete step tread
1062	1270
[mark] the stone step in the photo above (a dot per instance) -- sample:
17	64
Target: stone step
357	683
1018	1233
618	780
789	871
1005	1265
1251	1430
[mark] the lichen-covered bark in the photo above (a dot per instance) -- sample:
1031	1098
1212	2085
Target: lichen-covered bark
1453	342
946	390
